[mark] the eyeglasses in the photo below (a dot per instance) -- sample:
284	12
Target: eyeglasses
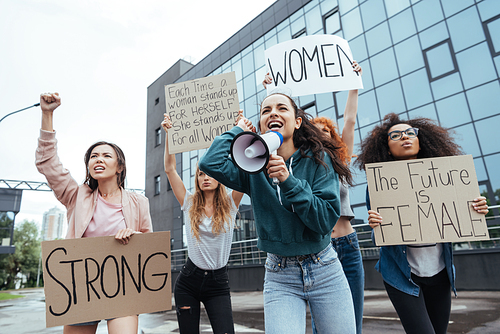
397	135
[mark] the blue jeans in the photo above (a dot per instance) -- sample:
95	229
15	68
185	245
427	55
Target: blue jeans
211	287
347	248
291	283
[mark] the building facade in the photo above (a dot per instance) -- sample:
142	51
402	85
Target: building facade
52	224
433	58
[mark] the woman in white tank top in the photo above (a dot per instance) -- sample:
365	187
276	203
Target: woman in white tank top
209	216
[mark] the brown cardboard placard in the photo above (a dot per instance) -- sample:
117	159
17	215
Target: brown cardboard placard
200	110
98	278
426	201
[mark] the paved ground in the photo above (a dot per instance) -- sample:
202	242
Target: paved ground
473	312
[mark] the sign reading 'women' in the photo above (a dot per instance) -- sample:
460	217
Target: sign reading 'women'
312	65
425	201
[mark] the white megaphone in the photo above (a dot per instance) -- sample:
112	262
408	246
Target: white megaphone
250	152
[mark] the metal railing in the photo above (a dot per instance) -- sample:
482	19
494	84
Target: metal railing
246	252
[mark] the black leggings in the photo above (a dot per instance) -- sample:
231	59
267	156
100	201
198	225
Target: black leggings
428	313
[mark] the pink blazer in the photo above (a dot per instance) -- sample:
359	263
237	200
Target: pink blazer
80	200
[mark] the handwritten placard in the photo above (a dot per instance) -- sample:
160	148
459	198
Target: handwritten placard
200	110
426	201
312	65
92	279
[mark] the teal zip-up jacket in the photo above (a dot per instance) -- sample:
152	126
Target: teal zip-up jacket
294	218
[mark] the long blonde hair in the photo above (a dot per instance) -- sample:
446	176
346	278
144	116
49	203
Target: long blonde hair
222	209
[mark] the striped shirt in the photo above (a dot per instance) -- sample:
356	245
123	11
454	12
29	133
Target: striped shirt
211	252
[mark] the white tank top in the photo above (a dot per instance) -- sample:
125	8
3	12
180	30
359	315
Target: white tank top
211	252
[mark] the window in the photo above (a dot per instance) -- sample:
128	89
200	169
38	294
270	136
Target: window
157	137
157	185
157	100
492	31
416	89
299	33
6	227
440	60
310	109
402	25
372	12
194	165
331	22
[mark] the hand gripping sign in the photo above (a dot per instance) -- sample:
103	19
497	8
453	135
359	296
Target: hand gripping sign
311	65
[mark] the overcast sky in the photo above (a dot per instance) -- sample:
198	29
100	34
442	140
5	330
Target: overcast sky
100	55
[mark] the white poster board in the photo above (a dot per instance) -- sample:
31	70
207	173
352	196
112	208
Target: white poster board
200	110
425	201
311	65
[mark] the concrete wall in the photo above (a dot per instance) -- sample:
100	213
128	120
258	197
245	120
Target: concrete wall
475	270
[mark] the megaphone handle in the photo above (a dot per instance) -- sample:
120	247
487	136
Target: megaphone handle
275	179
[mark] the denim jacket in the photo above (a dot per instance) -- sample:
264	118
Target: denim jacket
396	270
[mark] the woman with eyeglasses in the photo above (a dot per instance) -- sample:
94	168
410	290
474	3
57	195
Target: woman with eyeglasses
417	278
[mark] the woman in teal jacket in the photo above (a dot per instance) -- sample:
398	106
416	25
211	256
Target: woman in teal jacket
294	219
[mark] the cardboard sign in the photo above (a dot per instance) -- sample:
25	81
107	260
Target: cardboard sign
200	110
311	65
426	201
98	278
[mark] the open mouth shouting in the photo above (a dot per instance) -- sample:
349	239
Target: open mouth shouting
99	169
274	125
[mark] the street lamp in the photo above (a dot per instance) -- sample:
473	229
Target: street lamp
10	202
12	113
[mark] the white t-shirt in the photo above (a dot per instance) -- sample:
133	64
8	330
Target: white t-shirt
211	252
426	260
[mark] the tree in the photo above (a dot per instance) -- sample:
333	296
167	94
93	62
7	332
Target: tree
24	260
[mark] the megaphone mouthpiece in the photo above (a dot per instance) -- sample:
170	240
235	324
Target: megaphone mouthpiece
250	152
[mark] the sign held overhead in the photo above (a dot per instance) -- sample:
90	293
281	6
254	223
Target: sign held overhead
312	65
200	110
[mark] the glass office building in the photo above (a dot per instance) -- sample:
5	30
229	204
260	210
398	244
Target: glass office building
433	58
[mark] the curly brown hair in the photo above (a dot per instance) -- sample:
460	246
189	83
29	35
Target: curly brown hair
332	128
309	137
434	140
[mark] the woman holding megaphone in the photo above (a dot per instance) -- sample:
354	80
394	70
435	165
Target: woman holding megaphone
293	218
209	217
344	237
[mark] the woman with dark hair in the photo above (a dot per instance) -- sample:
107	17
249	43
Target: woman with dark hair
209	218
293	218
344	237
417	278
98	207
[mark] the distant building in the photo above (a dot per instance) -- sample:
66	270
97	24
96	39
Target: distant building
53	223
